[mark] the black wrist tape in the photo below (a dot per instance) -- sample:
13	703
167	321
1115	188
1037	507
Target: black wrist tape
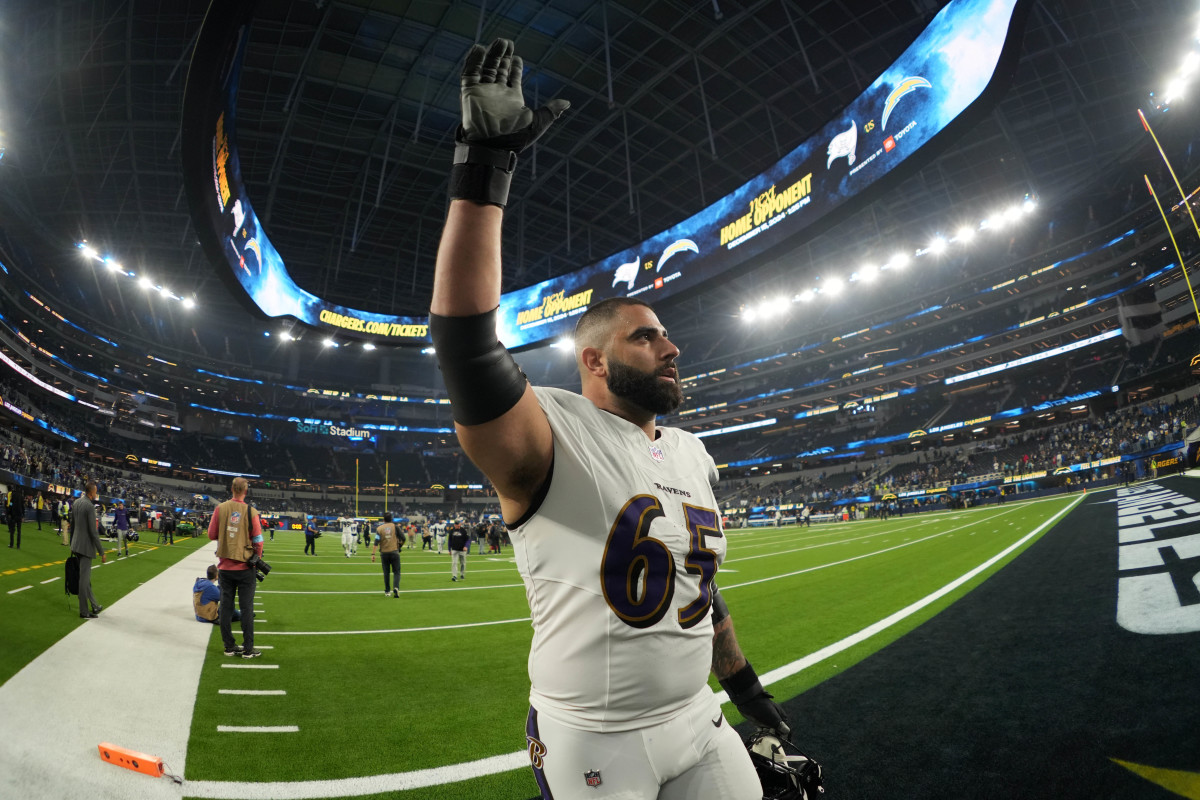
482	174
742	685
481	377
719	610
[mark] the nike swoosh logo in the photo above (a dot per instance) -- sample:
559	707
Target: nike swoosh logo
717	722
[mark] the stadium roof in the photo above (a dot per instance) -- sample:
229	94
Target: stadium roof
347	110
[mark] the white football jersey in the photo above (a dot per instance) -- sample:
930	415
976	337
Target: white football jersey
349	526
618	562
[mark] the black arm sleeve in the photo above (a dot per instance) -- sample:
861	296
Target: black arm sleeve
481	377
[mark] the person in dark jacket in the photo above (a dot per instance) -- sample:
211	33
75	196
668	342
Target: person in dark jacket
85	543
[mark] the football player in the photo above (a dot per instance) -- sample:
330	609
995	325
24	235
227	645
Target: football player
613	520
349	536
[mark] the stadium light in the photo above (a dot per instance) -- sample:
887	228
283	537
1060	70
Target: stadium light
565	343
937	246
806	295
87	250
145	283
368	346
1174	90
189	303
867	273
267	334
112	264
964	234
285	336
833	286
899	261
1029	205
329	343
1189	64
428	351
1012	213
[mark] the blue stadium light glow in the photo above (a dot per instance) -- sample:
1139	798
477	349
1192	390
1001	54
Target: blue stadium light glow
34	379
1057	351
762	423
229	377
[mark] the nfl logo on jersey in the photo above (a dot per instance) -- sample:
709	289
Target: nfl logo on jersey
592	778
656	453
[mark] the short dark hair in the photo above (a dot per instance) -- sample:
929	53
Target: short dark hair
600	315
212	572
387	516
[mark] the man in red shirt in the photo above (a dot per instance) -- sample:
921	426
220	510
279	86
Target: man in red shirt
237	530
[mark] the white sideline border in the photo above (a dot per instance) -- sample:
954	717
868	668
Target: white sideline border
454	773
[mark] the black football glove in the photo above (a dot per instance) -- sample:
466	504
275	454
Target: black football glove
754	702
496	124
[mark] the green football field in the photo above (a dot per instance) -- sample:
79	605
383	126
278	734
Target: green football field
354	684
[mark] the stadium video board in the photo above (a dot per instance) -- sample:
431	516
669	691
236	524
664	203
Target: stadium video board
944	71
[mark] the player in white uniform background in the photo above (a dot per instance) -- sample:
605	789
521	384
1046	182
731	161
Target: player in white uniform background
614	524
349	535
439	535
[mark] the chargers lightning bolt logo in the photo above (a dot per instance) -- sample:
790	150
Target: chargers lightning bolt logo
909	84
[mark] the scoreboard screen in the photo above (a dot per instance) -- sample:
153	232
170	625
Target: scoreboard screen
941	74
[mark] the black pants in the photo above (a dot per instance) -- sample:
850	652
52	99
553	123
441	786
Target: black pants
310	541
242	582
391	566
14	524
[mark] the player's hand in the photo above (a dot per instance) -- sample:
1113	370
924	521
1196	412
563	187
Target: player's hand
494	113
766	713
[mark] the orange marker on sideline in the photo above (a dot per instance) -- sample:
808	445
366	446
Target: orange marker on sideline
131	759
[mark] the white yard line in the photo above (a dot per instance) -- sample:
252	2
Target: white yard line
249	666
258	729
402	781
254	692
416	591
23	588
392	630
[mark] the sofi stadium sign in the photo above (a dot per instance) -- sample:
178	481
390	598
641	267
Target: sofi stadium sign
329	429
944	73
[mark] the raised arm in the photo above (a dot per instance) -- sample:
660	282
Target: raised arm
500	425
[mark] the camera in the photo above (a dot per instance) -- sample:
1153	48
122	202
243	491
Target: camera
261	568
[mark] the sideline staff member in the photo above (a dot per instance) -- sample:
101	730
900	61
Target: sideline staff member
237	531
389	554
85	543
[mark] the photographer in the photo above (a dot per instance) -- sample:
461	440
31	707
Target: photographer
389	554
237	530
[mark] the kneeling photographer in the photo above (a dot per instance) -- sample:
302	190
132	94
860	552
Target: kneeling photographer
237	530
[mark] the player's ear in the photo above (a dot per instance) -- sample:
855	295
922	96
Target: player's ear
592	360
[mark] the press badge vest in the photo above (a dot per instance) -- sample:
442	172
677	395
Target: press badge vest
233	531
388	541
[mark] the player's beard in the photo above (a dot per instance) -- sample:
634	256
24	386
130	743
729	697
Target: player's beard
644	389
